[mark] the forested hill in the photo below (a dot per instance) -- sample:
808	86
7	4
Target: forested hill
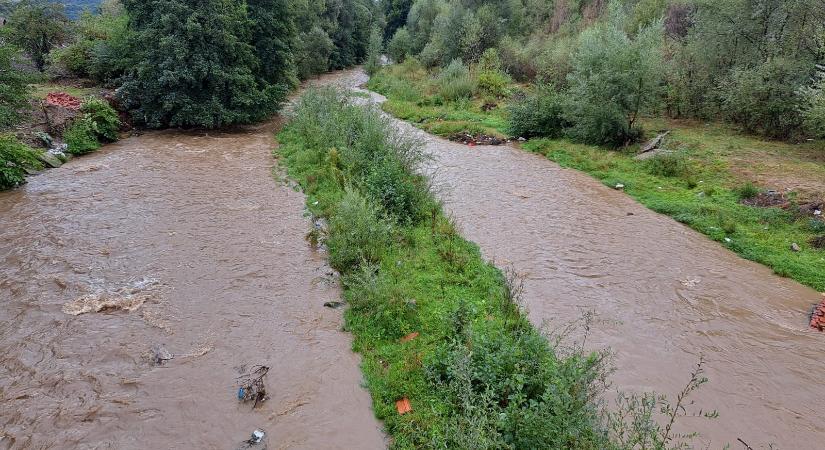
75	7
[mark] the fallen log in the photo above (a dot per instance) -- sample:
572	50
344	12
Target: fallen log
654	143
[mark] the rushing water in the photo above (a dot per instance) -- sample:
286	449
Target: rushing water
193	232
664	294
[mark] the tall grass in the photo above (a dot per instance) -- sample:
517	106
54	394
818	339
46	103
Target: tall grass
478	374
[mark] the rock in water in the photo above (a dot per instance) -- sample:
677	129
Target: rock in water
49	160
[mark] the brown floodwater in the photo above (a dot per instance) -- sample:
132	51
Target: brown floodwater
664	294
194	234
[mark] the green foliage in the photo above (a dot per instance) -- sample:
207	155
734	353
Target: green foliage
478	375
273	33
539	114
196	66
15	158
764	99
813	106
357	233
81	136
103	116
747	191
615	78
100	49
455	83
492	80
13	88
313	52
376	50
669	164
97	123
37	27
400	46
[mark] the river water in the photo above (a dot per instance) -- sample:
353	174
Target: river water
663	294
193	232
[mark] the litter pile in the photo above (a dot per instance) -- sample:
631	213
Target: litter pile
63	99
252	388
818	316
479	139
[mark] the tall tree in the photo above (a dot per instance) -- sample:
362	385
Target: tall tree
196	65
37	27
273	36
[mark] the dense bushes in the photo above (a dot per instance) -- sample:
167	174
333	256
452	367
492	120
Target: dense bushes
13	88
541	113
97	123
764	99
477	374
813	106
15	158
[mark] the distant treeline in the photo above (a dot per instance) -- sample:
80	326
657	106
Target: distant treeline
208	63
757	63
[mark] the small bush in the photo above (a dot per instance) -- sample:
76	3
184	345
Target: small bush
493	82
105	118
455	83
357	233
374	51
98	123
539	114
15	158
747	191
81	136
674	165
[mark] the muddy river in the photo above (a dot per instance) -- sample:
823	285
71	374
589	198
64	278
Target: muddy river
664	295
194	234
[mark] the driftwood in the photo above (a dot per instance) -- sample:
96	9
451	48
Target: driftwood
654	143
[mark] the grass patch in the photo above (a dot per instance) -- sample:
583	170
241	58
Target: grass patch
707	198
40	91
417	96
709	168
477	374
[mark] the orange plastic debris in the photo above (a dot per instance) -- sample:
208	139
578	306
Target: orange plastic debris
403	406
409	337
818	316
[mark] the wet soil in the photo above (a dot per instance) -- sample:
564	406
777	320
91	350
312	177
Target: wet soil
175	244
664	294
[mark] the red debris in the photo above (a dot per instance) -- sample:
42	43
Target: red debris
403	406
818	316
409	337
63	99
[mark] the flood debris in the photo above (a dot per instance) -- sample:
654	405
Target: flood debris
158	354
251	387
654	143
334	304
409	337
768	199
795	247
403	406
818	315
467	138
129	298
256	440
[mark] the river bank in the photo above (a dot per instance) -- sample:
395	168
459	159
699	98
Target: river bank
194	229
664	294
706	176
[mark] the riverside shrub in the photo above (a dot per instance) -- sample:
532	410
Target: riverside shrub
434	322
15	158
539	114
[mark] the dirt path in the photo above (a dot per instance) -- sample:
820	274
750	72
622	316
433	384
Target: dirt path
664	294
195	226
